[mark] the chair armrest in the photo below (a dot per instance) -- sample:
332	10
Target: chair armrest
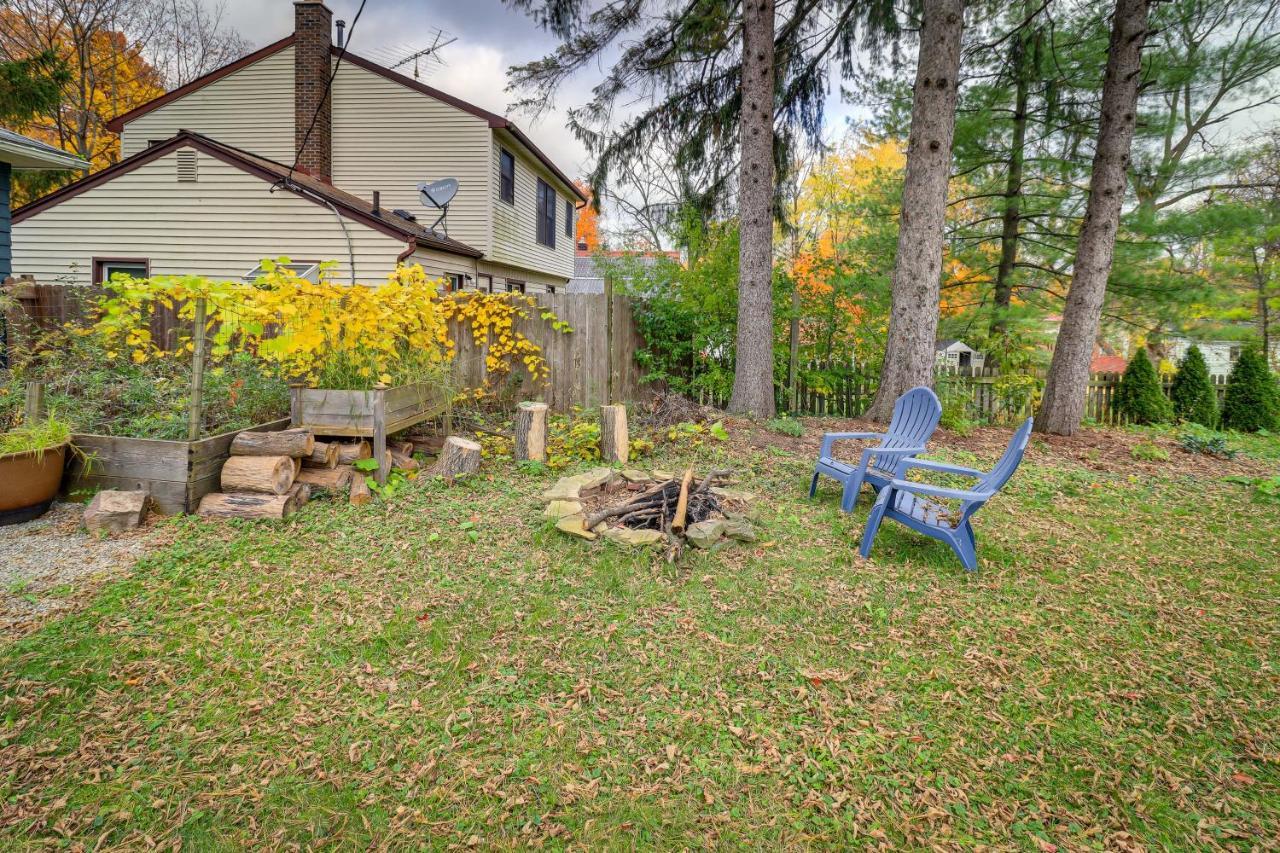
942	467
832	437
940	491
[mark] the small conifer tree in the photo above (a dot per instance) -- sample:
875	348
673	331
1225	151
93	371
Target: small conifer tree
1192	393
1140	399
1253	399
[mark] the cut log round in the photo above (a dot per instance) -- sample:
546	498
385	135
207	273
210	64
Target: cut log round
354	452
333	479
403	462
268	474
531	432
360	493
403	447
325	455
459	456
614	444
245	505
299	494
287	442
297	466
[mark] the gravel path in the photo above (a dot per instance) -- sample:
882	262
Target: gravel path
48	564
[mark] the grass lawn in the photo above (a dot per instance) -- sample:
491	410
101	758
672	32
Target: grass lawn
449	670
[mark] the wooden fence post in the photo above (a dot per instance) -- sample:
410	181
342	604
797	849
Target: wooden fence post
33	412
197	372
608	339
380	433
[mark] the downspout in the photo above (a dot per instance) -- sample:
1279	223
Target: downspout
409	250
351	253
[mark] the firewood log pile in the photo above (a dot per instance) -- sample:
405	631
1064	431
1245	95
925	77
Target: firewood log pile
272	474
637	509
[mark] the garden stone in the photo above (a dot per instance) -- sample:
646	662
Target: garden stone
733	495
574	526
594	479
629	536
662	476
740	529
559	509
704	534
565	489
632	475
115	511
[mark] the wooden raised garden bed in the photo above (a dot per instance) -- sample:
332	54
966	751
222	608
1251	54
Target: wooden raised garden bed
373	414
177	474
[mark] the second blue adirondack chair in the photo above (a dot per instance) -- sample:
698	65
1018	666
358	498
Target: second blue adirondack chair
915	417
919	505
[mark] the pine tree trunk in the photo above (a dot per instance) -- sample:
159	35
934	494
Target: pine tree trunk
917	269
1011	218
1065	389
753	369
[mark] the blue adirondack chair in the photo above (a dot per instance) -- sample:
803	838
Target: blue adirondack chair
918	506
915	416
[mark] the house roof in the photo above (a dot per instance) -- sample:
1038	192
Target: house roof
23	153
1108	364
495	121
300	184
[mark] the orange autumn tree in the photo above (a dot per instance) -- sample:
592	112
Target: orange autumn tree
587	228
108	76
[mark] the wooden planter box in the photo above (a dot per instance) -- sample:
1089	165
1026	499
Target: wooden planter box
177	474
373	414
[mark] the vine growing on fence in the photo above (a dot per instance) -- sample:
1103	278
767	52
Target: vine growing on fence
327	334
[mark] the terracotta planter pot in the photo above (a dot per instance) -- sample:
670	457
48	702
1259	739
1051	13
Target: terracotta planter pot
29	482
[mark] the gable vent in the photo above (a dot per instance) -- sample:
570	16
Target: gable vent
187	166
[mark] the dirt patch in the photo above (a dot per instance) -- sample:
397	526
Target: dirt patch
50	565
1096	449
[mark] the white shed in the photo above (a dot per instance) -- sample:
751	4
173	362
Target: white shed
955	354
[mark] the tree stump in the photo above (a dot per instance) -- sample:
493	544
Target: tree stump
115	511
458	456
354	452
614	444
360	493
269	474
531	432
333	479
296	443
245	505
325	455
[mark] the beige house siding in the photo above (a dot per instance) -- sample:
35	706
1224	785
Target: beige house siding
387	137
515	235
535	282
251	109
219	226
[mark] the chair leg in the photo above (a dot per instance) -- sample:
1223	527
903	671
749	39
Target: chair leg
813	485
852	487
962	541
873	523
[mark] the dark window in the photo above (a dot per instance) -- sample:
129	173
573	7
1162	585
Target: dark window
568	218
551	288
104	268
546	214
514	286
456	281
506	176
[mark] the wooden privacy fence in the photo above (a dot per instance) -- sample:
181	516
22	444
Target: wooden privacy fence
591	365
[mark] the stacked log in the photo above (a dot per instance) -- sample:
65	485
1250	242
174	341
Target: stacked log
262	477
336	479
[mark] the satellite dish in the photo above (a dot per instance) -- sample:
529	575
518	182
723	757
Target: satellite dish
438	193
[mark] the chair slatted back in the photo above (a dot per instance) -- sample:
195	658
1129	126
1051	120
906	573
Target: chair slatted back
915	417
1008	463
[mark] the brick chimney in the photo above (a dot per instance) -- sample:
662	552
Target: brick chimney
312	26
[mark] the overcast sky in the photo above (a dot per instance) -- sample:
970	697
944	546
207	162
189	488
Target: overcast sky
490	38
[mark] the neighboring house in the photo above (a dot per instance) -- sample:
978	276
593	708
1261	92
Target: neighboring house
205	184
1220	356
588	274
953	354
20	153
1103	363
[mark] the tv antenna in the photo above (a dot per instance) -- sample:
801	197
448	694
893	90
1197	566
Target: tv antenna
399	56
438	194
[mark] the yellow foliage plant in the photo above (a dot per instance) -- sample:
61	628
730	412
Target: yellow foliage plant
326	334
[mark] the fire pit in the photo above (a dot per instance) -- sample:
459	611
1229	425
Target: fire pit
634	508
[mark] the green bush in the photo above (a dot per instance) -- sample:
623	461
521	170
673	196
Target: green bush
1252	402
786	426
1192	393
1139	397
